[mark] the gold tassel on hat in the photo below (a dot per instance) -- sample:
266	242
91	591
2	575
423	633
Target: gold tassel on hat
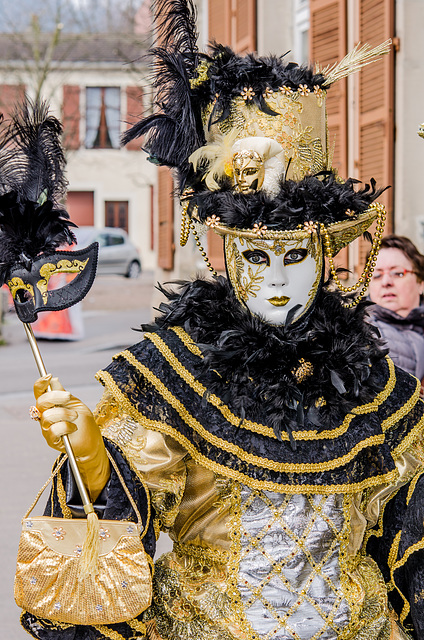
90	551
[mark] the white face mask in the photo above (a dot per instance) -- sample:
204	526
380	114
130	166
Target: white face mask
271	277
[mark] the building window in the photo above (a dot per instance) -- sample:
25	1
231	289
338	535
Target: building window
301	31
116	214
103	117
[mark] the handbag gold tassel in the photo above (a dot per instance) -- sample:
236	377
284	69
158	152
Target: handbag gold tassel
89	558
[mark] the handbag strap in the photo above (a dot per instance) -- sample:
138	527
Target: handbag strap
60	464
129	496
54	473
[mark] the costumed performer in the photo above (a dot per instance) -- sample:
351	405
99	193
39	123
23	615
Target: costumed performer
281	446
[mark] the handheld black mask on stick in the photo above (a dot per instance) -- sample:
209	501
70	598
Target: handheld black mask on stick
33	224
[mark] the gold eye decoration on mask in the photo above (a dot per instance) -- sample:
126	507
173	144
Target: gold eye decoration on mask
63	266
18	287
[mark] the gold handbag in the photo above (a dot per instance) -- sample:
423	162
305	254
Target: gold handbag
49	583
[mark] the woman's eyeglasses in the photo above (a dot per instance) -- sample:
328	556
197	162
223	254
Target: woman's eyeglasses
395	274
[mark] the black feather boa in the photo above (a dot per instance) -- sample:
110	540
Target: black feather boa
321	198
250	364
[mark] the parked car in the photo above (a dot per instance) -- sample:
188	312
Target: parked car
117	254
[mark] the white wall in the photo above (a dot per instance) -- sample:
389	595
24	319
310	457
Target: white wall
409	147
275	27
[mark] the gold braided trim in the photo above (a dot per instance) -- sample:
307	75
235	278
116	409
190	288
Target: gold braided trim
108	633
415	432
412	485
255	427
137	625
198	552
187	341
394	550
235	525
392	564
418	546
249	458
58	625
61	493
389	422
105	378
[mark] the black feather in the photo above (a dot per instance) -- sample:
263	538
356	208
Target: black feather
321	198
249	364
32	183
32	161
176	130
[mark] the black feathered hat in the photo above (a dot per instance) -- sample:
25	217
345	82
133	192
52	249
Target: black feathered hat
248	137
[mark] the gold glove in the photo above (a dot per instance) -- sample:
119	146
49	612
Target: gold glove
63	414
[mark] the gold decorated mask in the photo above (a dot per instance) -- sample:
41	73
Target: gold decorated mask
248	171
275	277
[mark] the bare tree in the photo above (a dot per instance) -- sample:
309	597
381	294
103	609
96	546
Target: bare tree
58	31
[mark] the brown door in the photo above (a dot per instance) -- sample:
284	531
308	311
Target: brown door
116	214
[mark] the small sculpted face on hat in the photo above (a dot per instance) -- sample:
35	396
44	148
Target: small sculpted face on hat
248	171
272	277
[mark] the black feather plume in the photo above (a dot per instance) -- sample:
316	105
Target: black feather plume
31	154
176	29
175	131
32	183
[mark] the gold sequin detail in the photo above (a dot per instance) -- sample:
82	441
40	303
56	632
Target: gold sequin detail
303	371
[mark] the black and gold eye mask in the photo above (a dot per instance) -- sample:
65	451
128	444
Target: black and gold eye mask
28	281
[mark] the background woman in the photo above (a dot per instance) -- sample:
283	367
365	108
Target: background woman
396	288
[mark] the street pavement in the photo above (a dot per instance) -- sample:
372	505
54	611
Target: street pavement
112	309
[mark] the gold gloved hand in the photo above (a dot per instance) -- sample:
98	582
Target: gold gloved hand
63	414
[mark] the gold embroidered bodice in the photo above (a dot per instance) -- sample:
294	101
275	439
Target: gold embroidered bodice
227	574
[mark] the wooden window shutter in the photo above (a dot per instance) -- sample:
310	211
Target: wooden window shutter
71	116
231	22
376	107
219	21
10	96
134	113
80	206
244	25
166	245
328	44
